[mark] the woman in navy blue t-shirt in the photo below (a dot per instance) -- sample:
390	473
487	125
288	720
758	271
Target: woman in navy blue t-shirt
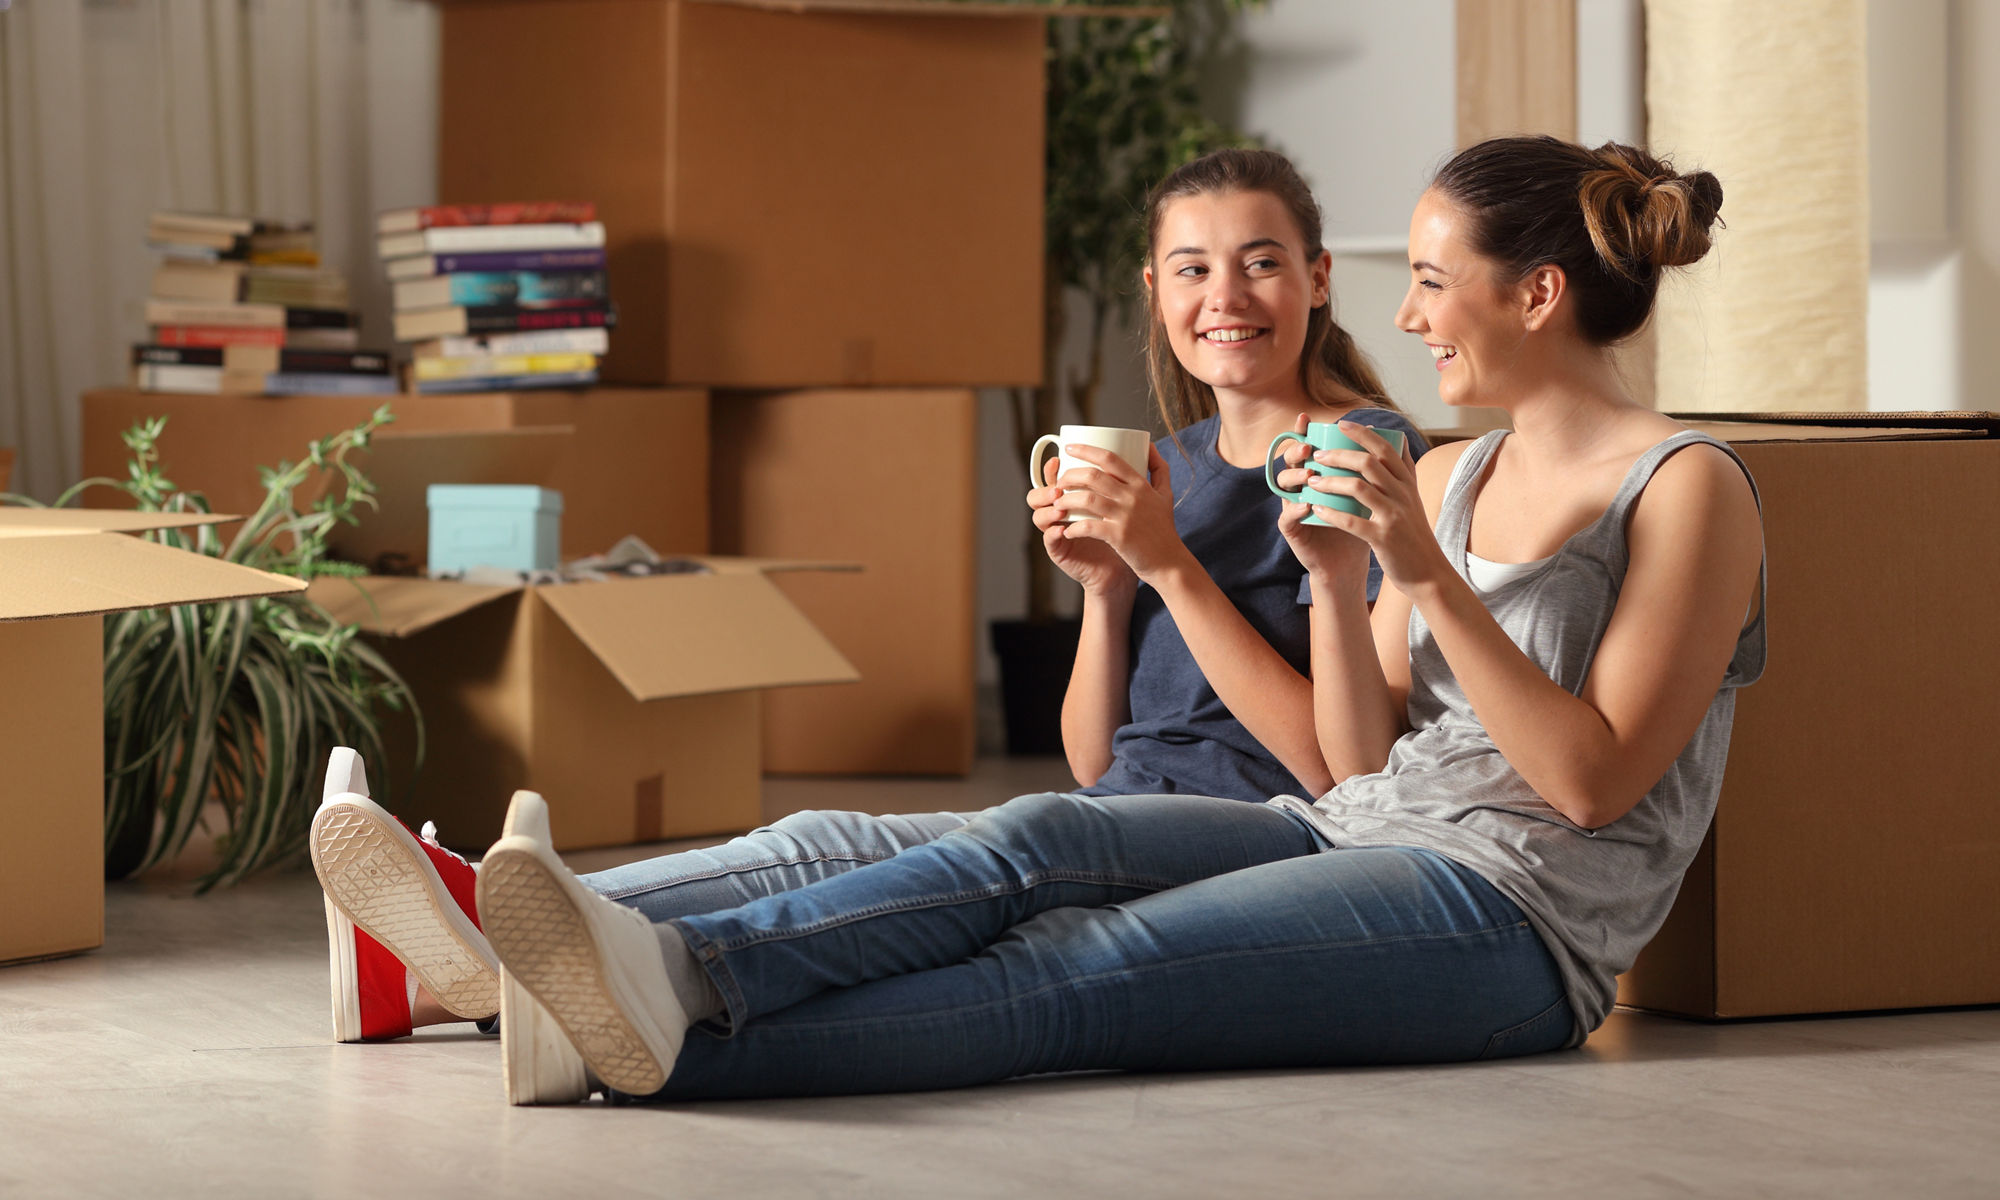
1191	675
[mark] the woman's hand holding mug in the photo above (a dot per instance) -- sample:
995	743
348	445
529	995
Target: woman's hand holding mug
1370	493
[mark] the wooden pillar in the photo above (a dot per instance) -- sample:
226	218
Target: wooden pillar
1516	68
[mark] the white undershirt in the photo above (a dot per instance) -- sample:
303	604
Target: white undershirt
1485	575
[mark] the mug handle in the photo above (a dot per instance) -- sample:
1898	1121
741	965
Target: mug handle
1035	458
1270	480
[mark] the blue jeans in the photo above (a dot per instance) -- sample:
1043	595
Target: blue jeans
788	854
1062	933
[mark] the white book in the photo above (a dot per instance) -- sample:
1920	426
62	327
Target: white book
458	239
196	380
539	341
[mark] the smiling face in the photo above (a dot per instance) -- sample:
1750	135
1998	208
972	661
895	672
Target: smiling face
1232	285
1474	324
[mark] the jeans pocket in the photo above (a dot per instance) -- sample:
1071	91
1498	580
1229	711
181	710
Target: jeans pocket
1546	1030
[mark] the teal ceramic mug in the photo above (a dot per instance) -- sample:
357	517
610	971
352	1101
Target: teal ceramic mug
1323	435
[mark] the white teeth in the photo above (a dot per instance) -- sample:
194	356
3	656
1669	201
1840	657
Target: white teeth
1231	335
1443	352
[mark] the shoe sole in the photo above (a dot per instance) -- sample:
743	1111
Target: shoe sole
370	868
343	974
549	946
537	1063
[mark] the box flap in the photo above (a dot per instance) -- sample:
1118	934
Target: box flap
25	521
402	464
1842	426
688	635
103	572
737	565
399	606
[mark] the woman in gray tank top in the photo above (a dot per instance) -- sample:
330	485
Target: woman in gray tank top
1528	736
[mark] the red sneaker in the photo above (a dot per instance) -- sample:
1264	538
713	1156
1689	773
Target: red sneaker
394	903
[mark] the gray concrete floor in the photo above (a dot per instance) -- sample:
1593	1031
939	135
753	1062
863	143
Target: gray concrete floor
191	1056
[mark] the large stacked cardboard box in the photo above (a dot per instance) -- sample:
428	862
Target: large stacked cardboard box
1854	856
801	197
839	193
815	473
60	571
635	460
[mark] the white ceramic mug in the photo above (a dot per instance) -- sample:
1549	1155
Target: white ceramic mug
1128	444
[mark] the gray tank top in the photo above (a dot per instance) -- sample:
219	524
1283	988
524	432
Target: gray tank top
1596	896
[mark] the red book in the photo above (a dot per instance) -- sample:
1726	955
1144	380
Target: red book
539	212
216	335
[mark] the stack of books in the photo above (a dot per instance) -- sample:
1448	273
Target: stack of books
499	296
242	306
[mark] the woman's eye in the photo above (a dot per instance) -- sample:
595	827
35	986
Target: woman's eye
1432	284
1192	271
1264	264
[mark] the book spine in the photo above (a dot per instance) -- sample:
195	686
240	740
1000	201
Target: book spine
175	312
181	356
511	320
526	287
332	362
216	335
301	317
548	341
509	383
329	383
502	364
494	237
545	212
520	260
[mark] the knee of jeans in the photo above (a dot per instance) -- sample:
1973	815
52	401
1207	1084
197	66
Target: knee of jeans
1022	825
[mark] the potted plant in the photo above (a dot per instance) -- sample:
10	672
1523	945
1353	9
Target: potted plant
239	701
1124	109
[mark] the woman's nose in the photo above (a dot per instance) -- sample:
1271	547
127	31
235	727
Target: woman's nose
1225	292
1409	318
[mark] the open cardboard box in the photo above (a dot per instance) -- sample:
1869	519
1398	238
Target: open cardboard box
1854	858
814	193
60	571
631	704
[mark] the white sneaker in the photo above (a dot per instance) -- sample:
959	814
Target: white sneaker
537	1063
411	895
593	964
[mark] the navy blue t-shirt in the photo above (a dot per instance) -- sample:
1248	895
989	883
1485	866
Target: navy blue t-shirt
1182	740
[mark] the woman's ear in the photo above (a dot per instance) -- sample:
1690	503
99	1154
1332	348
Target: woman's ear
1146	277
1322	279
1541	293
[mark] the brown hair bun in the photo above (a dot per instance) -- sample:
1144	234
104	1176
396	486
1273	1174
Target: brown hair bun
1642	216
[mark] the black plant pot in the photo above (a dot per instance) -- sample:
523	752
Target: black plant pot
1035	658
124	853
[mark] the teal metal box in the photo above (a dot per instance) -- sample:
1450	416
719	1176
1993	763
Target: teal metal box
494	525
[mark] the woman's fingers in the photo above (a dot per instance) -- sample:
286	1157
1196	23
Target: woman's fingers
1104	461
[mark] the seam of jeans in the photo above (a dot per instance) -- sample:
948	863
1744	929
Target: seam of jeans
948	900
1502	1038
1220	955
720	872
707	953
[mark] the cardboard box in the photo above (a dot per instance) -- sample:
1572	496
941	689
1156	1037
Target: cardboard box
404	465
800	473
630	704
60	570
1854	858
636	462
802	194
6	468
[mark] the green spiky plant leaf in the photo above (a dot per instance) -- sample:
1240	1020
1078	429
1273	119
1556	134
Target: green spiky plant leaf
240	701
